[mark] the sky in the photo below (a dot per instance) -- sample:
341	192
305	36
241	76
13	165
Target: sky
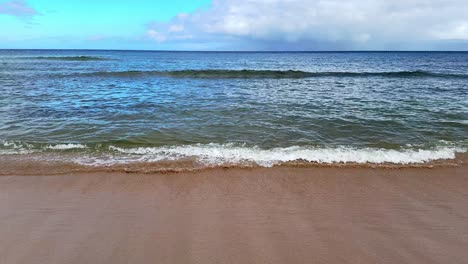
235	24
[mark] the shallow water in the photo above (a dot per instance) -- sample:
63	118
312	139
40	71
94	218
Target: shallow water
107	107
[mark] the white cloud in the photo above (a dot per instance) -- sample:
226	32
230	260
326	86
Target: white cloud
18	8
459	31
352	23
176	28
156	36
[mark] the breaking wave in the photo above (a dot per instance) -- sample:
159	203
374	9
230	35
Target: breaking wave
231	154
66	146
228	154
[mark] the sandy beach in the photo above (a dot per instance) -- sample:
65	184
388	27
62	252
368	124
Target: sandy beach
263	215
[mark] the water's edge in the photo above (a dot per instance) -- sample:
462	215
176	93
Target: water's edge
15	156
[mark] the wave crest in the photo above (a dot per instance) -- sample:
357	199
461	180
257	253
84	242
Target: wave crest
70	58
269	74
228	154
66	146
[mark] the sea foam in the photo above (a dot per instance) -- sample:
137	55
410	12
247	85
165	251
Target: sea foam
233	154
66	146
220	154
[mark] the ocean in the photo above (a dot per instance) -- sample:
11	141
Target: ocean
191	110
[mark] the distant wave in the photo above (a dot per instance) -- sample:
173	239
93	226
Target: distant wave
70	58
268	74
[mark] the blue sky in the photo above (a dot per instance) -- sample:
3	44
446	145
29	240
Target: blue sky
88	24
235	24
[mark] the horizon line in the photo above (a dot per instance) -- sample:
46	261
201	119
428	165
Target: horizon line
246	51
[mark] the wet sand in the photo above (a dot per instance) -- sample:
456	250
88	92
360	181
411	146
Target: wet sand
279	215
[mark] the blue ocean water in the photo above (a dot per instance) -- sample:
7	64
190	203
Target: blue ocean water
113	107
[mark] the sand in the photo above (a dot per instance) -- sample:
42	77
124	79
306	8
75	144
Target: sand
276	215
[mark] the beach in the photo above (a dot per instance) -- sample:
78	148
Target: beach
259	215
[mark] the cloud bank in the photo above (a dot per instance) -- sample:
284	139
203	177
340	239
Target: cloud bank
18	8
319	24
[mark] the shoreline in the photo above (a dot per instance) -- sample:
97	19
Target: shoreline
188	167
252	215
39	165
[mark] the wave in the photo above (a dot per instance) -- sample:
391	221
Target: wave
18	147
232	154
66	146
70	58
225	154
269	74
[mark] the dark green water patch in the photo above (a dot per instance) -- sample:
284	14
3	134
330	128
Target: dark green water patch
71	58
269	74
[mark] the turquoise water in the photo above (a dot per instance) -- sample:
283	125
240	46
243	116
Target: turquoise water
106	107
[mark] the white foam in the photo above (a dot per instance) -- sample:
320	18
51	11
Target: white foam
15	148
235	154
217	154
15	151
20	148
66	146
